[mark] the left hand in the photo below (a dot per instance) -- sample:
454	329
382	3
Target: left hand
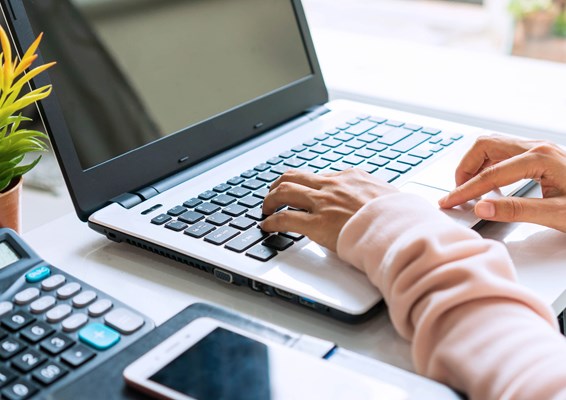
328	200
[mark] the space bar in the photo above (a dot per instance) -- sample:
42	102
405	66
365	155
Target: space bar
410	142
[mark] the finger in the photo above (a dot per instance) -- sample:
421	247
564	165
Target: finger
499	175
300	177
288	221
290	194
486	151
518	209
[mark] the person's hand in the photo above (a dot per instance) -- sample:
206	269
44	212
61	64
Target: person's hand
497	161
328	201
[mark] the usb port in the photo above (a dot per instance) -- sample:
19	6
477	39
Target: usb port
284	293
257	286
307	302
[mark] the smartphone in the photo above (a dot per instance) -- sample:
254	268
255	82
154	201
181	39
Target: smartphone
208	359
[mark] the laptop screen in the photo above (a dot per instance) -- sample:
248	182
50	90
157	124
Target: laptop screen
130	72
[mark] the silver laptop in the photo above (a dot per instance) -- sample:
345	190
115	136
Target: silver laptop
170	119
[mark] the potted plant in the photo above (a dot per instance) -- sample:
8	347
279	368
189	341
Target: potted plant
534	18
15	140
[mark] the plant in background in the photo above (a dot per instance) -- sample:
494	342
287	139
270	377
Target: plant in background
520	8
16	141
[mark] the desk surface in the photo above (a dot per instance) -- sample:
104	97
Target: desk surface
160	287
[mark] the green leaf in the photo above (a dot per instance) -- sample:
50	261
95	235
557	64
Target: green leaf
4	183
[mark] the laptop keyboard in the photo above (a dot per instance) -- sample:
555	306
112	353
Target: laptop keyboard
228	214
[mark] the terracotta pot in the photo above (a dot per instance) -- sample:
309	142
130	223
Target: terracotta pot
538	24
10	200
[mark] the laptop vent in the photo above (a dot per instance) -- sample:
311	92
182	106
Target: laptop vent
161	252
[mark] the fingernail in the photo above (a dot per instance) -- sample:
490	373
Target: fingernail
485	209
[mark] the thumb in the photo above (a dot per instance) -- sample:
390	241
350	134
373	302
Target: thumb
517	209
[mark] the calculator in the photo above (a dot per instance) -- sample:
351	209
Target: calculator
53	326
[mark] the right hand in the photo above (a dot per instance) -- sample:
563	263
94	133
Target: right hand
496	161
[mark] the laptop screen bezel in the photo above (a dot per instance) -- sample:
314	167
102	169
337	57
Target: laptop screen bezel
95	187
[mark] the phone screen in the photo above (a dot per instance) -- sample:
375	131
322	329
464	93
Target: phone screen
213	368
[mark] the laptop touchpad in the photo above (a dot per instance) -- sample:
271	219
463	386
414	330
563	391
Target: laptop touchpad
430	193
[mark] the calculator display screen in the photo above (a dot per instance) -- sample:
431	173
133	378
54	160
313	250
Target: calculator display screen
7	255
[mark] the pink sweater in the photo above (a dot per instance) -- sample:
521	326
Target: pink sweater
455	296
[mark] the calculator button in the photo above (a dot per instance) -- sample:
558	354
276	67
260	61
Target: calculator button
37	331
27	295
19	390
74	322
17	320
9	347
28	360
49	373
58	313
53	282
77	356
3	333
5	307
100	307
84	299
123	320
6	376
38	274
42	304
69	290
56	344
99	336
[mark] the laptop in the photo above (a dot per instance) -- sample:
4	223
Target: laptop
170	119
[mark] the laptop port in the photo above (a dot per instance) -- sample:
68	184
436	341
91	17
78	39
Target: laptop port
223	275
257	286
307	302
284	293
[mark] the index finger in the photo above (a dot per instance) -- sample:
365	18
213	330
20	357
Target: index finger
303	178
494	177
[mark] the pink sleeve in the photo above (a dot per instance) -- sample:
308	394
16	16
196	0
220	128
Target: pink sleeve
455	296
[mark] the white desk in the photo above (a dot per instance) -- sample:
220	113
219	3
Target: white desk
160	287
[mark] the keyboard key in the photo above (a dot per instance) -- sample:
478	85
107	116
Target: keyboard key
365	153
456	136
370	168
207	195
37	331
275	160
360	128
353	160
379	120
261	193
344	151
430	131
256	214
124	320
6	376
410	160
192	203
42	304
278	242
367	138
38	274
386	174
234	210
261	252
6	307
191	217
319	164
221	235
298	149
223	199
56	344
343	137
218	219
294	162
333	131
268	177
398	167
99	307
410	142
321	137
421	153
333	143
262	167
320	149
310	143
246	240
54	281
356	144
208	208
199	230
280	169
394	136
69	290
253	184
99	336
413	127
161	219
176	211
28	360
26	296
17	320
74	322
242	223
176	226
19	390
235	180
394	123
292	235
376	147
340	166
58	313
250	201
389	154
77	356
239	192
9	347
380	130
49	373
221	188
308	156
287	154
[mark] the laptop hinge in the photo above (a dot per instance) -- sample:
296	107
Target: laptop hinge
127	200
315	112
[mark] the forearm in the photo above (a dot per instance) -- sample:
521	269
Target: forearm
453	294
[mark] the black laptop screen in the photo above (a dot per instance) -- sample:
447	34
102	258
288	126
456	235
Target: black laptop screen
140	70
